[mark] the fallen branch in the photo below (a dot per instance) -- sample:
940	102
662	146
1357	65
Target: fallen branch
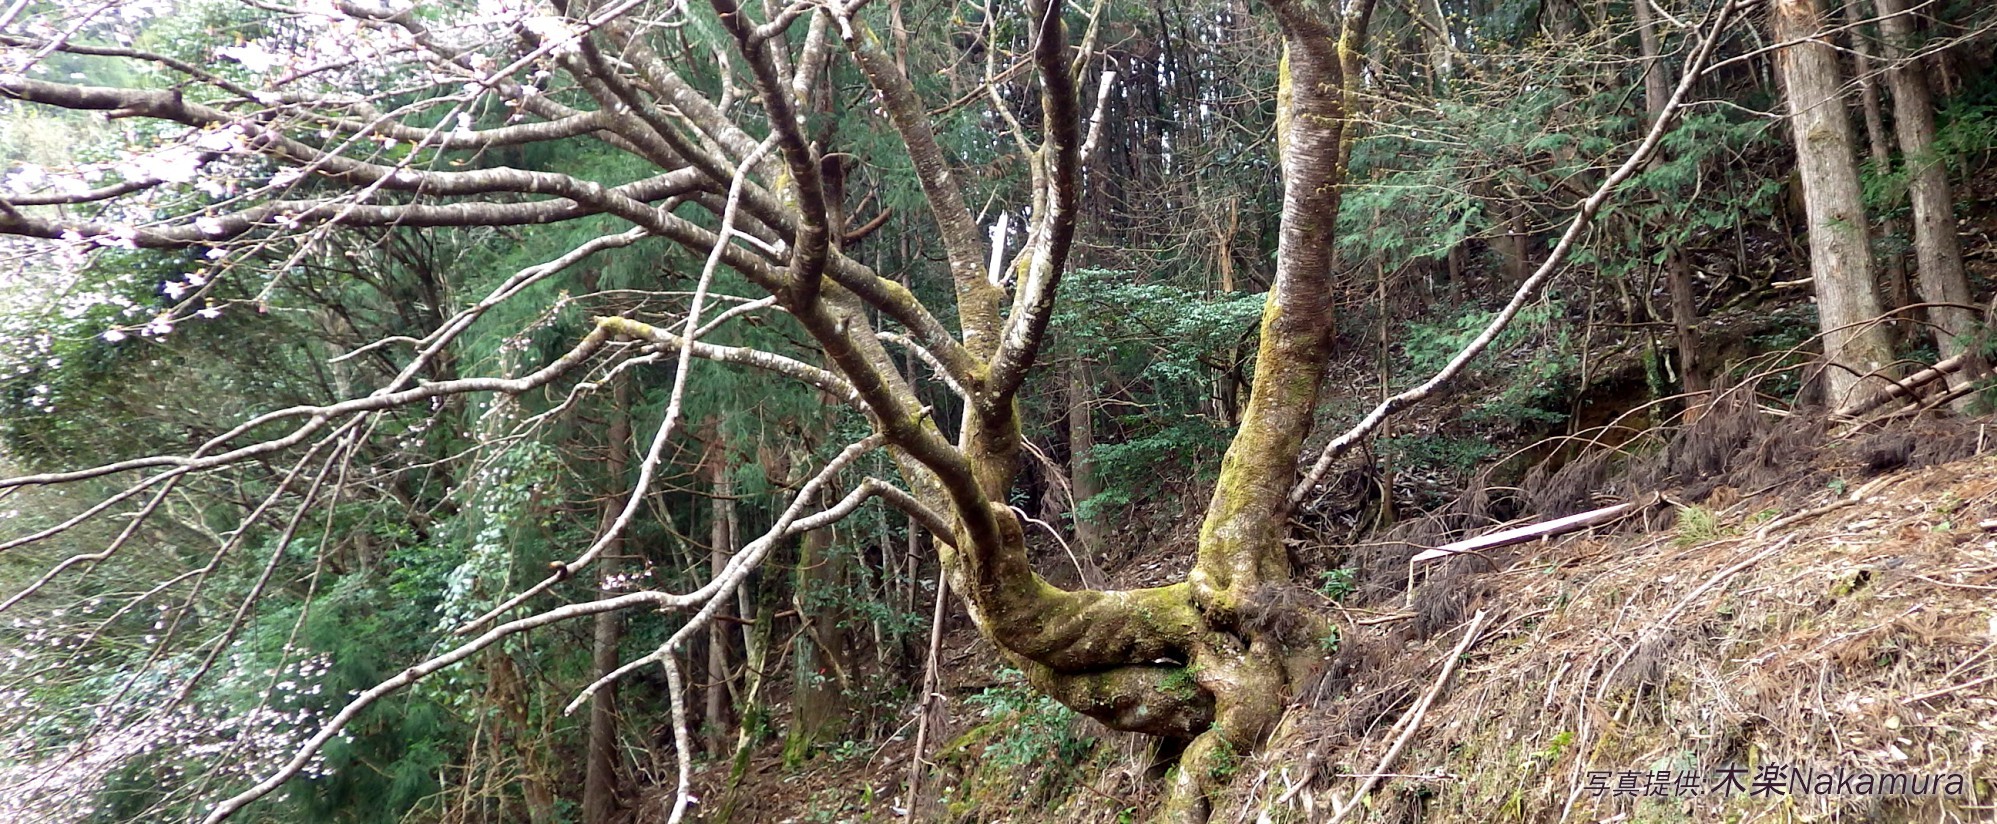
1519	535
1856	495
1929	696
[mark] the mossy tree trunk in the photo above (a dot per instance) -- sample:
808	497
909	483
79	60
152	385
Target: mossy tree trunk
1213	659
1210	660
516	735
820	707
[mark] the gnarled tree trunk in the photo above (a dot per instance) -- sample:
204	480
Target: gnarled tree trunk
1209	659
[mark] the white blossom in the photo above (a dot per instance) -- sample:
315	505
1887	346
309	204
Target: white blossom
253	56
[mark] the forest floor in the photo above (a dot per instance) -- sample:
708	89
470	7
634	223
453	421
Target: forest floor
1849	626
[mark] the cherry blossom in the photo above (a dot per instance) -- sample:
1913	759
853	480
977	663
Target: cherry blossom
253	56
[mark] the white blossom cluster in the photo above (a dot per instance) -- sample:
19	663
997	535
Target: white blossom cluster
52	778
625	581
118	22
200	173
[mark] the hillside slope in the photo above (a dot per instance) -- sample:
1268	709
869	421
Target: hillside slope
1845	631
1839	628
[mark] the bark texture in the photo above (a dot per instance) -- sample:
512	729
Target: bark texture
721	545
1855	346
1893	286
1083	482
1937	246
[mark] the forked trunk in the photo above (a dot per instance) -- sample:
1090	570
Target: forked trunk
1214	659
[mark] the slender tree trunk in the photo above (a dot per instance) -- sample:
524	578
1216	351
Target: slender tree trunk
1937	248
1082	477
516	736
1458	266
1515	246
1894	289
819	708
1840	253
755	654
1677	270
930	713
1441	52
721	546
1227	387
599	785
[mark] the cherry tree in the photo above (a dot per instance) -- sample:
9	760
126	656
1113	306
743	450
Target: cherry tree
353	116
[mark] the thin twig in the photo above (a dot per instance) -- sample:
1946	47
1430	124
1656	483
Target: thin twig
1413	722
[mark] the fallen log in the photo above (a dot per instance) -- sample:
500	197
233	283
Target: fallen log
1903	387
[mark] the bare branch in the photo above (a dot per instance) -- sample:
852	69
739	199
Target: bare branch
716	591
413	674
977	300
318	416
831	383
1054	236
198	230
648	467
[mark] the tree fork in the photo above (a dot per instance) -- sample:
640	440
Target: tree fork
1248	657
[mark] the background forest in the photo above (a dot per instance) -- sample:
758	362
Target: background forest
400	223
